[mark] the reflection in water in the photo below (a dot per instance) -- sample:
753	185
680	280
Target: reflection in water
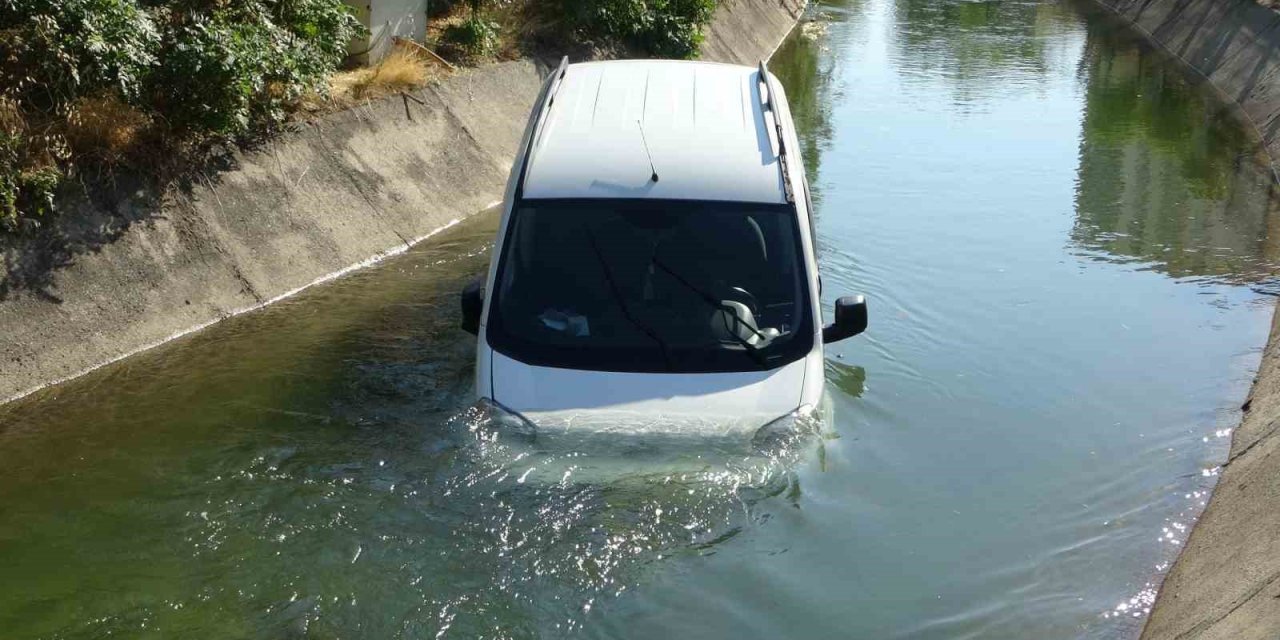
976	46
849	379
1165	176
810	92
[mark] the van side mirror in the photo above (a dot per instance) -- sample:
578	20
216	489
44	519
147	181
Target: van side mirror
851	319
472	305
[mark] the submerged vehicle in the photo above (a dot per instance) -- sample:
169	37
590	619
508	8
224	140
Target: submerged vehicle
655	267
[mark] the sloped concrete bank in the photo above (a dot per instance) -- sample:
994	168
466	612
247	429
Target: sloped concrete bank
1226	582
338	192
748	31
125	273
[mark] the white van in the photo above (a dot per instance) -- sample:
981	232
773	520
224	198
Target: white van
655	263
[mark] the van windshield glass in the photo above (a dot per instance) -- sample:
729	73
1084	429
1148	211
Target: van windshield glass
651	285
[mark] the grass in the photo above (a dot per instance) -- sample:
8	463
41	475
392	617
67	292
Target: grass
11	121
105	130
27	142
28	166
402	70
507	25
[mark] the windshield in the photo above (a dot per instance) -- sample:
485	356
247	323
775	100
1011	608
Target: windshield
651	285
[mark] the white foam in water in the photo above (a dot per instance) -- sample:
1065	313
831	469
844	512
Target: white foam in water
605	448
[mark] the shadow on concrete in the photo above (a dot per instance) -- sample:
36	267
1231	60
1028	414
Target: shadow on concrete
92	213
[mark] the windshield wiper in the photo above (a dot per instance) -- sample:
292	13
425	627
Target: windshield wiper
748	348
618	298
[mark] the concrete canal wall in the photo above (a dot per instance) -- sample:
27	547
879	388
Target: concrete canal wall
340	191
1226	582
135	270
748	31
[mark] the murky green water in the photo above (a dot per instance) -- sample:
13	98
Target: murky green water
1066	249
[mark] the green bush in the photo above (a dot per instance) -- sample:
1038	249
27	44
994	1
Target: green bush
202	69
663	28
52	51
26	189
234	72
475	36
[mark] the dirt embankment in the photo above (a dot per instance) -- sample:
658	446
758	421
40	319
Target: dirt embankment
1226	582
136	269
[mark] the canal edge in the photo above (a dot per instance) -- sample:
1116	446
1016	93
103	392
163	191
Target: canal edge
1225	582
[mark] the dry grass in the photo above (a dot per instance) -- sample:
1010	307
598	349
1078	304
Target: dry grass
517	21
522	22
105	129
11	121
402	70
406	68
28	143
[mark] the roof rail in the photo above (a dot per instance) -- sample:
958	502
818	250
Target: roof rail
543	106
559	75
769	112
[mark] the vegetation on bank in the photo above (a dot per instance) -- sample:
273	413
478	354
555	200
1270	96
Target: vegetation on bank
88	86
660	28
643	28
92	87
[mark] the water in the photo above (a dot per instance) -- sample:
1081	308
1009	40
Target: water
1066	251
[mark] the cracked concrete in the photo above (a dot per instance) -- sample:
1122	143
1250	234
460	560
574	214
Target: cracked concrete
1226	582
131	270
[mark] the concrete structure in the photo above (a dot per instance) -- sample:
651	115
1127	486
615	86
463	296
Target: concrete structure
1226	582
385	21
127	272
748	31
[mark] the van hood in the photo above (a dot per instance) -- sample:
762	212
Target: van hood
673	404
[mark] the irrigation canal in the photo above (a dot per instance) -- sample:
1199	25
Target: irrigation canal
1066	249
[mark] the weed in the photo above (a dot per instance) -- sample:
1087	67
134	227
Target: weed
476	36
402	69
28	175
662	28
104	129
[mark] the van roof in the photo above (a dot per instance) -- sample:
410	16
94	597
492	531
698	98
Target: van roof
703	122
